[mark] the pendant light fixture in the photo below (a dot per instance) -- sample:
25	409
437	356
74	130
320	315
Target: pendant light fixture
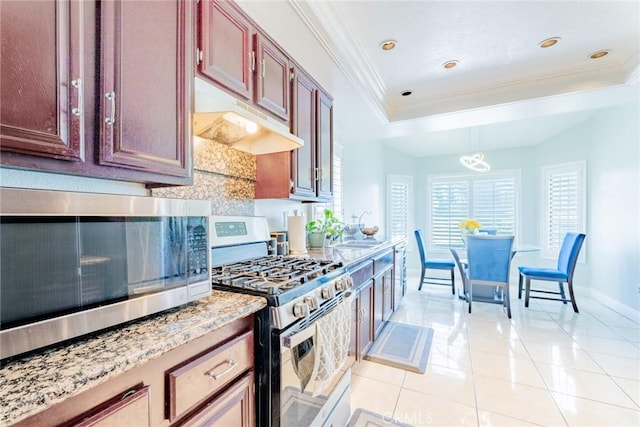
475	162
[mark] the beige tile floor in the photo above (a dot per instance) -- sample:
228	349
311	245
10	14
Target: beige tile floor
546	366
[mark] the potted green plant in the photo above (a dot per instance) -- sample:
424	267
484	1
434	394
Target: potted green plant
329	227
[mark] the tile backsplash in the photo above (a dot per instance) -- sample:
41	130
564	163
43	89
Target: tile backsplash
224	176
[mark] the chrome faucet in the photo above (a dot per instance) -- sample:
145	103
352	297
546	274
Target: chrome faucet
360	219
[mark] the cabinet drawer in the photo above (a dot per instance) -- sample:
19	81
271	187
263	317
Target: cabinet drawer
361	273
132	405
233	407
194	382
382	260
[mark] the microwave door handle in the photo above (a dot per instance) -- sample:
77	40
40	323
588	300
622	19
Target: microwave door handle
293	340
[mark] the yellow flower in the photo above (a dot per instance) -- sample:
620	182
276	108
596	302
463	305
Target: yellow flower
469	224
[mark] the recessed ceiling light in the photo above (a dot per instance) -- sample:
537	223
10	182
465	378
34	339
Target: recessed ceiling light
450	64
599	54
388	44
406	93
549	42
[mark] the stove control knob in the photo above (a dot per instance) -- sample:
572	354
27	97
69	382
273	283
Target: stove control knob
341	285
327	293
311	302
300	310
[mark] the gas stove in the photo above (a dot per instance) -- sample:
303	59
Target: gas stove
306	298
276	277
295	287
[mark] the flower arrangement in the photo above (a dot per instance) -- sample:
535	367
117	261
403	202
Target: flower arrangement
469	226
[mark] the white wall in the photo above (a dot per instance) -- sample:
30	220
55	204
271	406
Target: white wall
364	183
614	205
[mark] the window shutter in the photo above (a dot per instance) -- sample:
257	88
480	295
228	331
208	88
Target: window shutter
337	184
494	203
449	206
564	192
399	191
491	199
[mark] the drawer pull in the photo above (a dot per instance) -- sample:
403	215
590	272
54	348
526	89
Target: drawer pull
127	394
231	365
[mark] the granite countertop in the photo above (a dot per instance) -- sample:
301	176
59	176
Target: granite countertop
350	256
32	384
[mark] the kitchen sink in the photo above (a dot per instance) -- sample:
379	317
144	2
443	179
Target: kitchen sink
358	244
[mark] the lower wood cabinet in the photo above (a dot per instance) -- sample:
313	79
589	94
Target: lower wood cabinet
195	381
376	298
364	321
382	299
233	407
207	381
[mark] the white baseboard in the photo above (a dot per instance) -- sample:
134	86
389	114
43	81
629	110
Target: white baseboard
613	304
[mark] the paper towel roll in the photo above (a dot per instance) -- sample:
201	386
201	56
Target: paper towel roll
296	235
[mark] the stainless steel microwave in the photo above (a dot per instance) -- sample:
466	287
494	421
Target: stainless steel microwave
76	263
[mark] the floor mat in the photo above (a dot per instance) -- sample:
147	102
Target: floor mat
402	346
364	418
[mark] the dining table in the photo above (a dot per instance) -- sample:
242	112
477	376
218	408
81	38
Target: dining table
490	294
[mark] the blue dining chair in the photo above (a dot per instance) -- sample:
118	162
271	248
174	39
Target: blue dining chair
567	260
434	264
488	264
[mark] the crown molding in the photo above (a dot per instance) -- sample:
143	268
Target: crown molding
335	36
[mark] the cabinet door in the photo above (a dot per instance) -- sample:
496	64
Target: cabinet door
41	75
272	78
325	146
355	324
378	304
303	125
146	86
234	407
387	296
225	43
365	330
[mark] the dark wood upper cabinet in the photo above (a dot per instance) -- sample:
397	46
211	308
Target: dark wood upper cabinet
98	89
272	77
303	125
225	47
310	167
41	78
144	95
237	56
324	145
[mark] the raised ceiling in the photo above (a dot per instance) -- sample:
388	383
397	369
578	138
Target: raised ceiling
502	76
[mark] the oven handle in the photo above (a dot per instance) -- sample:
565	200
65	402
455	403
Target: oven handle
294	339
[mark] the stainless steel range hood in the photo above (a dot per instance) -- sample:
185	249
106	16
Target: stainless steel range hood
222	118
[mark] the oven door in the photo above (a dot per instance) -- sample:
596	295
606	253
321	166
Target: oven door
311	393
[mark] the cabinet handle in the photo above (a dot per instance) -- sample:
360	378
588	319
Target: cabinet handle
77	83
264	70
252	61
127	394
230	366
198	56
292	75
111	96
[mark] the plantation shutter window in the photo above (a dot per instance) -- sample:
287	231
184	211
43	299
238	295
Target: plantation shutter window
491	199
399	191
564	206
